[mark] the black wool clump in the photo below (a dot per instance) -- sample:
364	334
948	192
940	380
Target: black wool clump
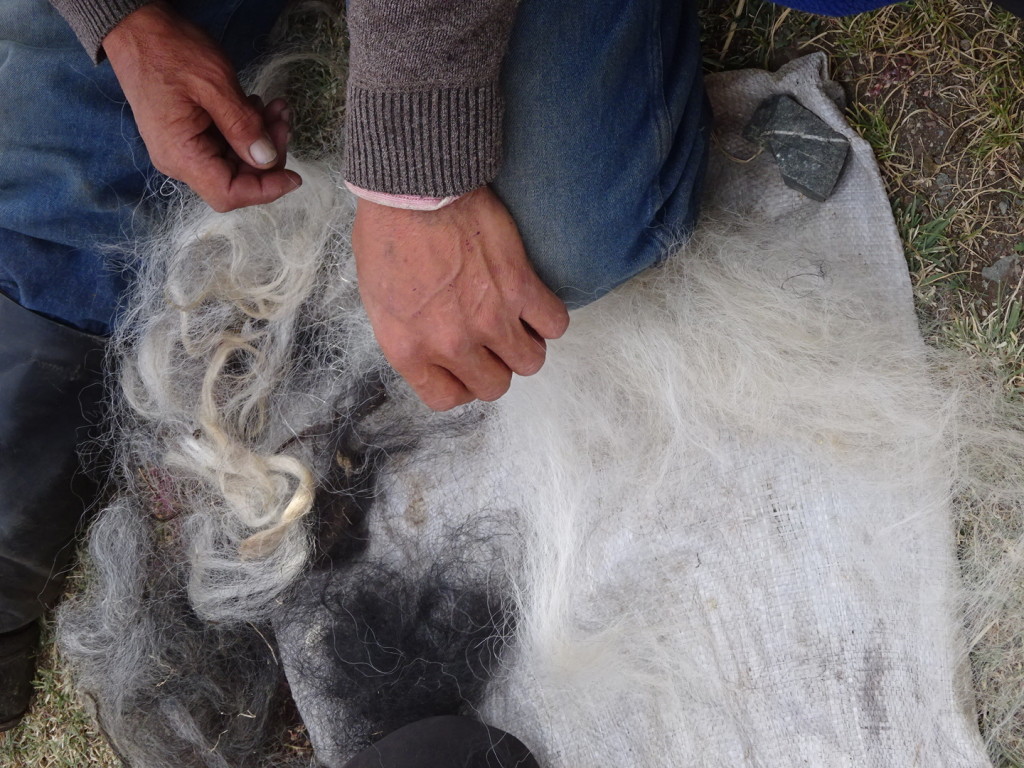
348	488
406	650
399	650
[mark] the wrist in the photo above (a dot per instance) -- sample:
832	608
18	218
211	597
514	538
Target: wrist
138	24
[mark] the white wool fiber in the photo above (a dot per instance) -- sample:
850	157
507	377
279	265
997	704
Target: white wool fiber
740	524
212	385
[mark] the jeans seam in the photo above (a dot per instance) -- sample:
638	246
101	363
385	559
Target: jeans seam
661	108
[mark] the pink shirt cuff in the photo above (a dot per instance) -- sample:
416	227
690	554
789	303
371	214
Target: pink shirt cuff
408	202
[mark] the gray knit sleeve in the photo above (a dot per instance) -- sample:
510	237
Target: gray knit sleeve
93	19
424	112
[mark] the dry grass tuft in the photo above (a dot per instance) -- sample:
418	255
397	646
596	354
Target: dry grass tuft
315	77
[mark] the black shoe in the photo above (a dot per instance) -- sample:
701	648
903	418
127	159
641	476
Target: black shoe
446	741
18	652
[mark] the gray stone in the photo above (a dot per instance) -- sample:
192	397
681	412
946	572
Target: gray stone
810	154
999	271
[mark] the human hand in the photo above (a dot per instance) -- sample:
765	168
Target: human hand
454	303
198	125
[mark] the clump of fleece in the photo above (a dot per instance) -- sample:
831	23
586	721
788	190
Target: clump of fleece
252	414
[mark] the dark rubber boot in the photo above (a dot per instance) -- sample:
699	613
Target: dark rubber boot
18	651
1016	7
448	741
50	395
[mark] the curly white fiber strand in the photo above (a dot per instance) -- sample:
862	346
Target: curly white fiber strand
208	357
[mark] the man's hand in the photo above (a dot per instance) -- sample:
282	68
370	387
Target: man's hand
198	125
456	307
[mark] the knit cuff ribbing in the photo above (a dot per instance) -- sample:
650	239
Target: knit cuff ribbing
436	143
91	20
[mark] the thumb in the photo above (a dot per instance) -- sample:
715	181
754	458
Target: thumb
241	124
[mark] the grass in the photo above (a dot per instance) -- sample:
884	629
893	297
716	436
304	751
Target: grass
58	733
316	79
936	87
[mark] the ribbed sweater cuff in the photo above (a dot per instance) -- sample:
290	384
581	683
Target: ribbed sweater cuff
91	20
435	143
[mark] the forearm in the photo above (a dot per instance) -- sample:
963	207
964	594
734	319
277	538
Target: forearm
93	19
424	109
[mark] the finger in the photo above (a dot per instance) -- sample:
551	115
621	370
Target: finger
280	133
277	110
225	186
522	350
259	188
277	117
483	373
438	388
545	313
279	136
534	335
240	122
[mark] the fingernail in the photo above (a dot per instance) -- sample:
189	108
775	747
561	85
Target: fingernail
286	115
263	152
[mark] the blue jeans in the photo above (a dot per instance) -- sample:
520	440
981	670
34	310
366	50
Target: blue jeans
606	138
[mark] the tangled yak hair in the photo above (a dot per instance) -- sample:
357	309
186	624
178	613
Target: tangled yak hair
716	529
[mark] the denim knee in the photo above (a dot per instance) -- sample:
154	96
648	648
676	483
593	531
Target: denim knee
606	137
